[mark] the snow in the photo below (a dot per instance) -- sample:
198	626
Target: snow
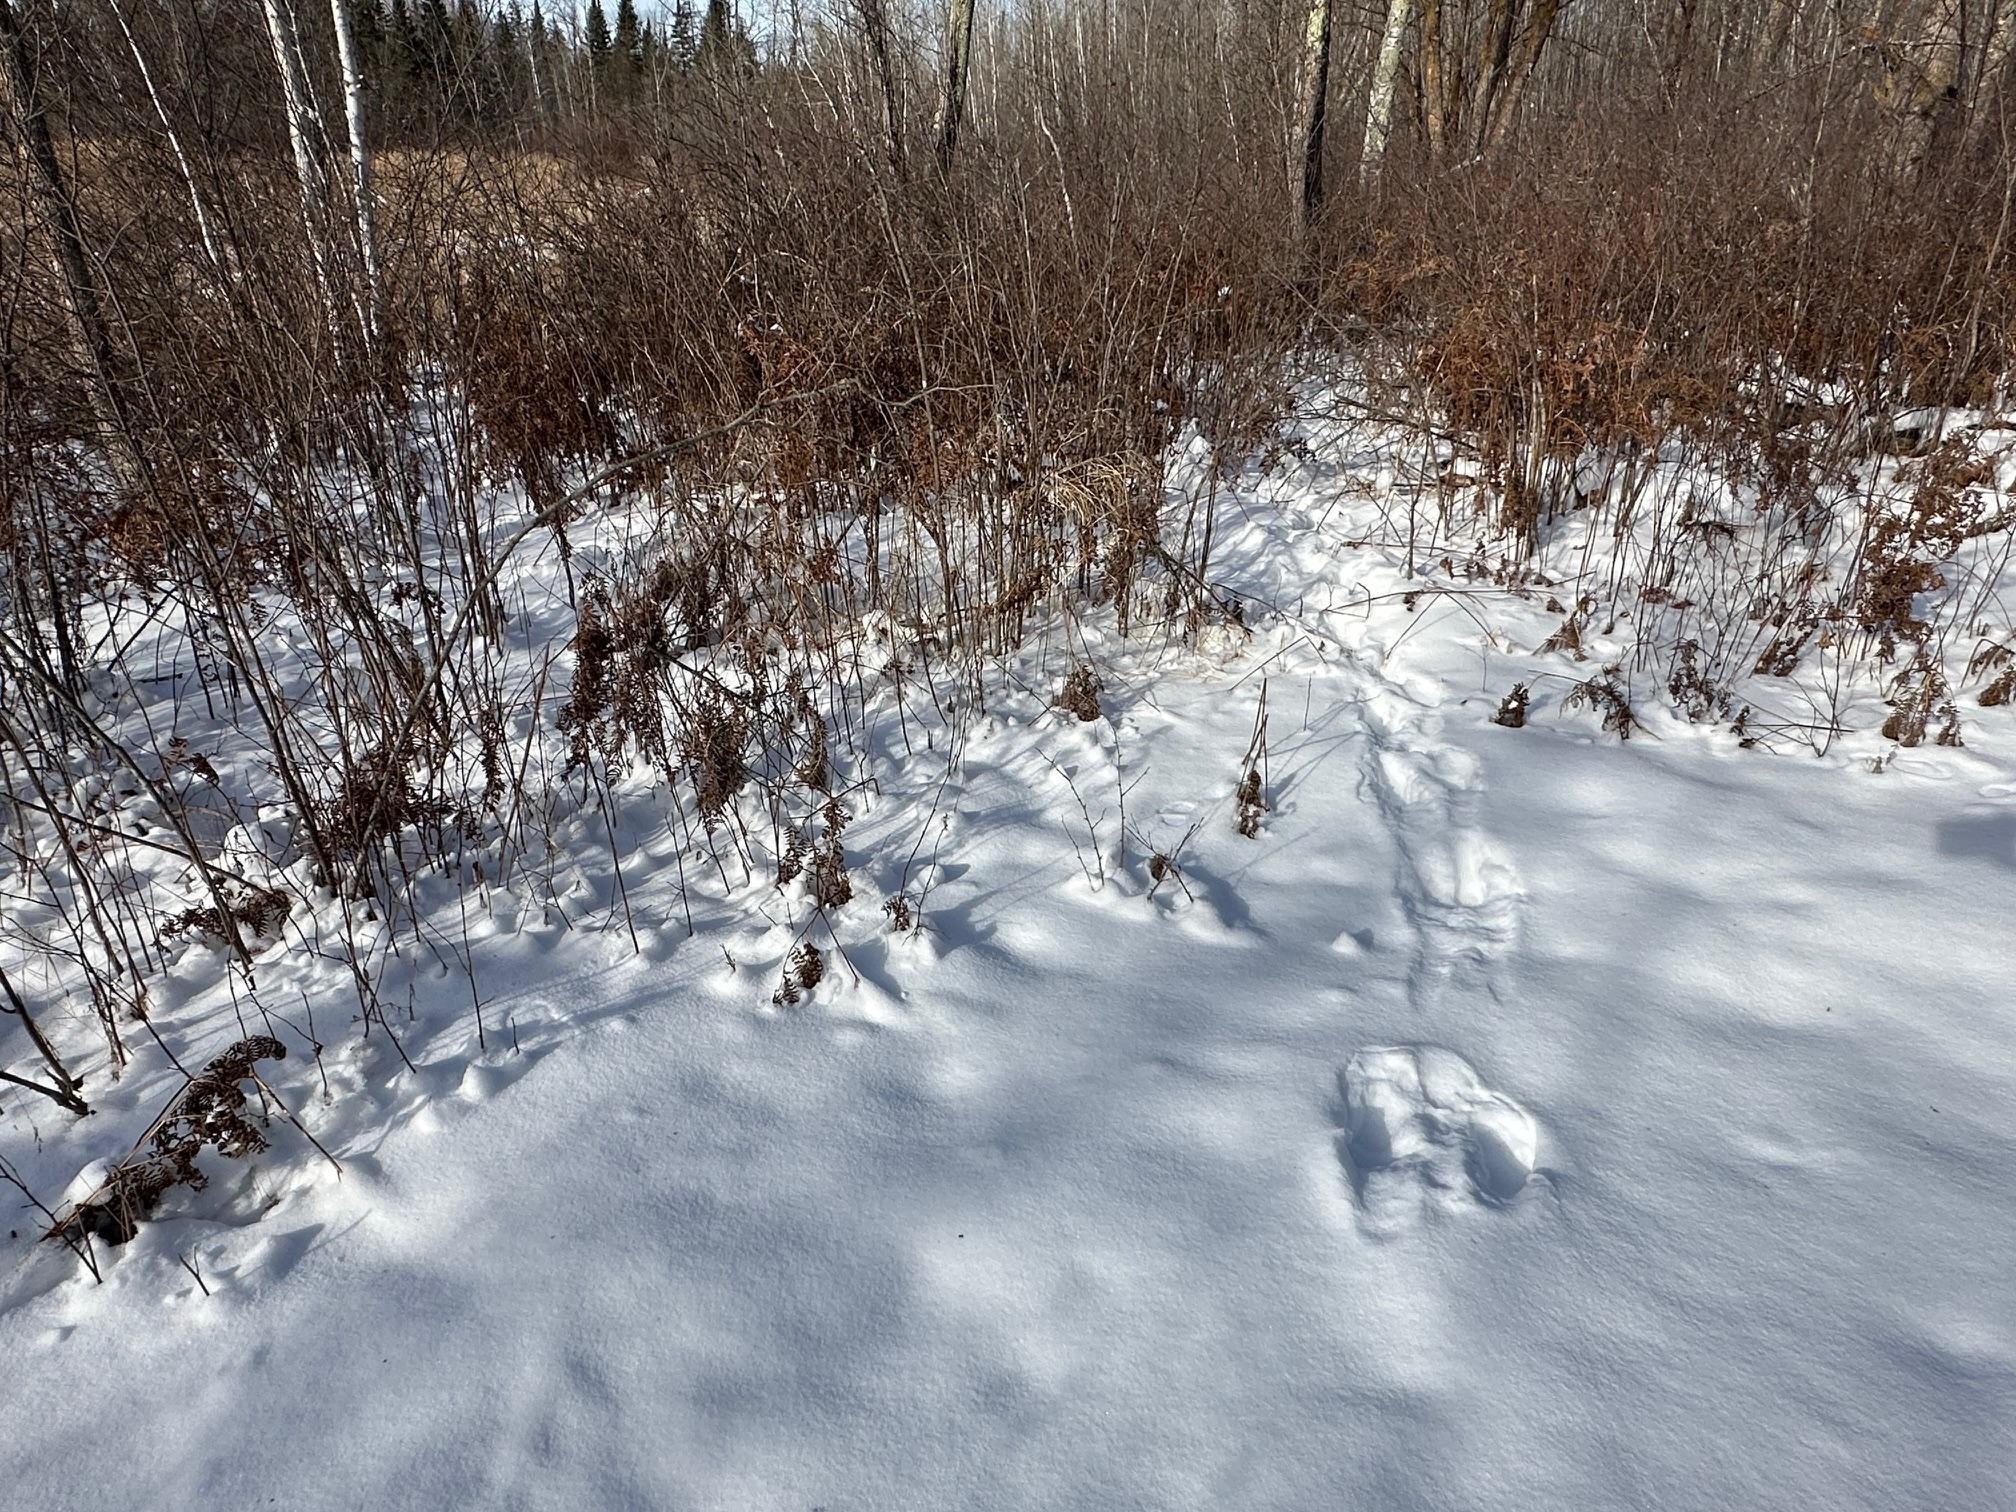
1523	1118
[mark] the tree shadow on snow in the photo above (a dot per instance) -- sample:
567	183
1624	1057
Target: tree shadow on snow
1980	836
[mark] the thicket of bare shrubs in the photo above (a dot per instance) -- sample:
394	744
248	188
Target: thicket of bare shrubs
833	373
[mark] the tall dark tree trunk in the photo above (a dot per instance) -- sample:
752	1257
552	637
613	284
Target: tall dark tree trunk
1518	74
958	55
1434	109
59	209
1490	76
875	26
1312	108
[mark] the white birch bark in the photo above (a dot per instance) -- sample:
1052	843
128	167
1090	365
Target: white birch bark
301	135
212	248
1379	97
535	45
360	166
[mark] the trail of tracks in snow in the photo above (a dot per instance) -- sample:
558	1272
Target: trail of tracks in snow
1456	884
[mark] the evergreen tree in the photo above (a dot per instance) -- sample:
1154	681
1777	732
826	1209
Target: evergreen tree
629	37
397	63
433	59
471	74
597	35
368	18
683	42
722	44
625	65
507	68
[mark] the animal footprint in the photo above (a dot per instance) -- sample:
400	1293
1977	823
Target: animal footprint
1419	1129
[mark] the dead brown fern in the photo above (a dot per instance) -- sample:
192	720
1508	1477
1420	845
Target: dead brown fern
1604	694
1080	694
208	1113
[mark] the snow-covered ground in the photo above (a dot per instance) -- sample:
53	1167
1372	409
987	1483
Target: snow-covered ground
1521	1119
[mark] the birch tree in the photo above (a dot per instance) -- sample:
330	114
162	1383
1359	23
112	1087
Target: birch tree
301	135
1379	96
360	167
212	247
1311	107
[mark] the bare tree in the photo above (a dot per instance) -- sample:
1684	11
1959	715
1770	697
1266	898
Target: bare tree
212	248
875	28
302	136
80	286
1776	31
1994	88
360	167
1923	55
1379	95
1434	105
1312	106
958	53
1489	69
1513	71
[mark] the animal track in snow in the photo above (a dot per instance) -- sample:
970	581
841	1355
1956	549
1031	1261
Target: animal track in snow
1457	885
1418	1127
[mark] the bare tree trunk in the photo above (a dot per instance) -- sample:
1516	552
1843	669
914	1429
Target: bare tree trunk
301	134
1679	46
1491	68
1433	107
1995	88
1777	31
87	315
360	168
875	23
1919	86
1312	105
1505	102
958	51
1379	97
535	44
212	248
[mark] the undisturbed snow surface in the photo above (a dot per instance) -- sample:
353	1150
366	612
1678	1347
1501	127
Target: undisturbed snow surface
1521	1120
